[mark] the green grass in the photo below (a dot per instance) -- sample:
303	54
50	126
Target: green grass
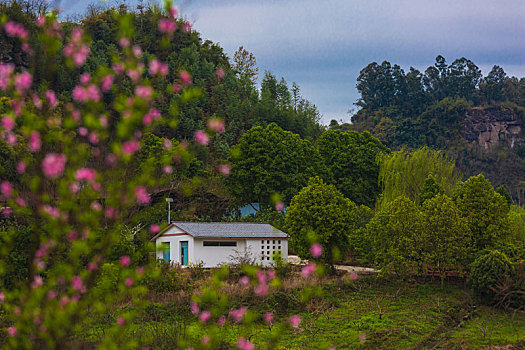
367	314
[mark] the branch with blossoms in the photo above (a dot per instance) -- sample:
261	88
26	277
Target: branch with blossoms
75	183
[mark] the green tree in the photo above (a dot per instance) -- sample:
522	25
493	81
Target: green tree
485	211
320	213
269	161
446	238
404	173
430	189
352	162
396	236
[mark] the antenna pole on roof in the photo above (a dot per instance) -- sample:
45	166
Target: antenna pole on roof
169	200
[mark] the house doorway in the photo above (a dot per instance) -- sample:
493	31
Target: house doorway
166	251
184	253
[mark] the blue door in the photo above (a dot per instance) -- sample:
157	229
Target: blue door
166	251
184	253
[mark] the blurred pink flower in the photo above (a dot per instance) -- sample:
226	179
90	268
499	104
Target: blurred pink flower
185	77
2	298
168	169
125	260
85	174
206	339
21	202
8	123
279	206
130	147
174	11
157	67
78	284
205	316
244	344
201	137
106	82
316	250
37	282
121	321
124	42
144	92
12	331
354	276
307	270
238	314
92	266
6	70
194	308
216	124
85	78
270	274
221	321
6	188
268	318
167	26
34	142
40	20
142	195
261	290
295	321
244	280
186	27
51	99
220	73
16	30
23	82
96	206
53	165
154	229
224	169
261	276
128	282
137	51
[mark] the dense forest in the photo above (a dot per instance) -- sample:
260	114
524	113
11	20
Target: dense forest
478	120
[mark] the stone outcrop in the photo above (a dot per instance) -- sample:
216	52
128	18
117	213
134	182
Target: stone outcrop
488	126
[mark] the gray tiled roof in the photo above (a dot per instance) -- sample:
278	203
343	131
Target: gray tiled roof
230	230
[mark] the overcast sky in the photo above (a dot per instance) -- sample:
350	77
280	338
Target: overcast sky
322	45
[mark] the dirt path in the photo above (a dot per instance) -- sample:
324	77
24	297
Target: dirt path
295	260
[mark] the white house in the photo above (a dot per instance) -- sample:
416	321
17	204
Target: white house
215	243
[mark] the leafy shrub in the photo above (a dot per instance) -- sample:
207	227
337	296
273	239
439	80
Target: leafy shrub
165	277
489	271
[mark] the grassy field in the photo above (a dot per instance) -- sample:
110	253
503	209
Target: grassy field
369	313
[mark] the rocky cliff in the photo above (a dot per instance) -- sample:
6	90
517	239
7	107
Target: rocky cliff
489	126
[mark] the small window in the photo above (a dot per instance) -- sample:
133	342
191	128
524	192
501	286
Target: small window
268	252
274	241
267	242
279	247
273	247
268	258
279	241
219	244
262	242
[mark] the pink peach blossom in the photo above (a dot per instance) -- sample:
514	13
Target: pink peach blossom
53	165
8	123
307	270
185	77
85	174
201	137
142	195
238	314
106	82
316	250
268	318
220	73
295	321
125	260
23	82
12	331
6	188
194	308
167	26
244	344
154	229
34	142
121	321
51	99
205	316
216	125
128	282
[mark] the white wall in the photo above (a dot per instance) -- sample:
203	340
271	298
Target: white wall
264	249
216	256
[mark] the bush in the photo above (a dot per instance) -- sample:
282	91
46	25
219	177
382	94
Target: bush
165	278
488	272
